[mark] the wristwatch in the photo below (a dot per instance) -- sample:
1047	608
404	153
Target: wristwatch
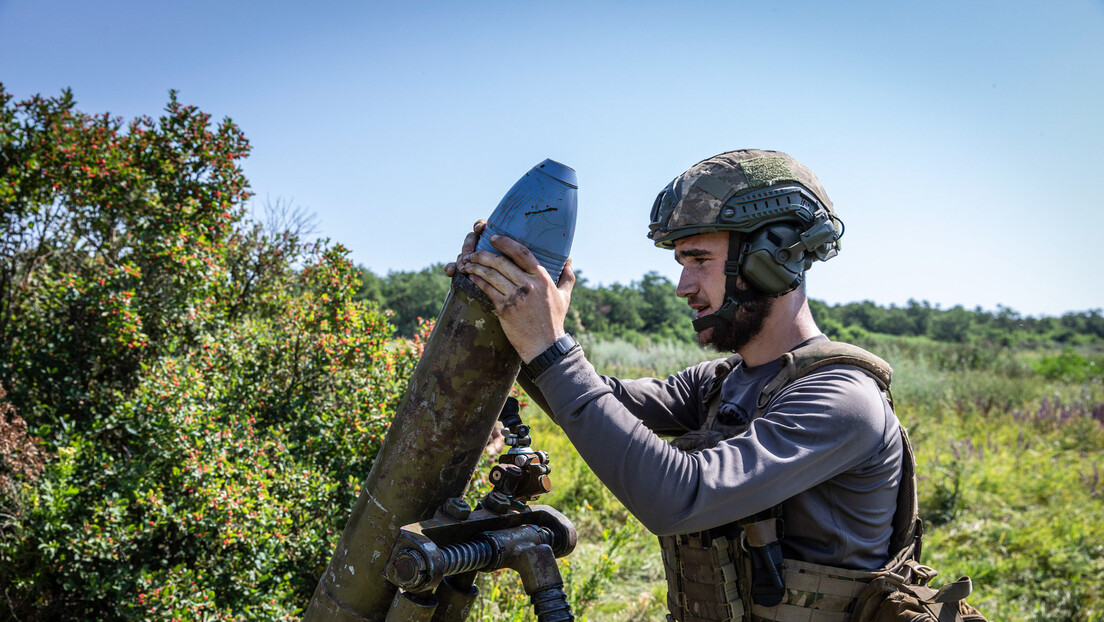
545	359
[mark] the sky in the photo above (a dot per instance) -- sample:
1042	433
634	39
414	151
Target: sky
962	143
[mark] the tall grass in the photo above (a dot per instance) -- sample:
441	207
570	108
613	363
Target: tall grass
625	359
1009	461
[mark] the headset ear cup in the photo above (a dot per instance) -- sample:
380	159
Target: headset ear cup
766	263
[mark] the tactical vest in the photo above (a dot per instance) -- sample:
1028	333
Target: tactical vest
736	572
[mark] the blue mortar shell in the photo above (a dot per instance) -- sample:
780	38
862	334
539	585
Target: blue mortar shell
539	211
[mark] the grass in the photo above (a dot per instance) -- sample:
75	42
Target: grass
1009	462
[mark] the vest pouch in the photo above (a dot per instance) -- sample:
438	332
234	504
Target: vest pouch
701	579
889	598
760	540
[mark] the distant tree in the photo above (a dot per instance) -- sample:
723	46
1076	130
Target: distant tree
649	308
953	325
623	306
664	314
1094	323
415	295
371	286
857	314
919	315
585	314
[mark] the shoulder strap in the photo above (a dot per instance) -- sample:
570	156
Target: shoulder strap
907	535
712	400
908	530
805	360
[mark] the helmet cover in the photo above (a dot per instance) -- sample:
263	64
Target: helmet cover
737	191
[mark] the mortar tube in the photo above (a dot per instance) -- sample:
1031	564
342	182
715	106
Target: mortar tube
429	455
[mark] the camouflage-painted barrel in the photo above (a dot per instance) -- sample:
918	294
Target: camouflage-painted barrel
442	425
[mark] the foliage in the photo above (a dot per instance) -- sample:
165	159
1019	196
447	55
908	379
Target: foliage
411	296
1069	366
646	307
237	463
1023	517
1003	327
118	242
206	390
645	357
21	462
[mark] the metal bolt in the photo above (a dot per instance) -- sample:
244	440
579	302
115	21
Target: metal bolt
457	508
497	502
410	569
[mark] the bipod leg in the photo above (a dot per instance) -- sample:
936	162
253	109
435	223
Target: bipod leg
542	581
411	607
455	597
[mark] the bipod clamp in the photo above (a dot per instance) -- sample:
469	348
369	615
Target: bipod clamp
434	562
521	474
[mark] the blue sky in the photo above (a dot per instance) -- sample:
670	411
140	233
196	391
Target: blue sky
962	142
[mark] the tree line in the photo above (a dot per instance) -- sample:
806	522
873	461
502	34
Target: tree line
645	307
648	308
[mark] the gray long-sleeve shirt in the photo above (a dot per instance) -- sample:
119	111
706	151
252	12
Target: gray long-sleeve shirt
827	448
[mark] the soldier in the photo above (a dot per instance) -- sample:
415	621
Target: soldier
791	430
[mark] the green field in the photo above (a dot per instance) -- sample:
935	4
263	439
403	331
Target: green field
1009	451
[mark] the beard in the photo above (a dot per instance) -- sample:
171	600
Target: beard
746	324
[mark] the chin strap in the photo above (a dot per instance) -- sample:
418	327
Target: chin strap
720	317
723	317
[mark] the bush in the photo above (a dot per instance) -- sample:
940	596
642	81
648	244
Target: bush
230	469
1069	366
206	392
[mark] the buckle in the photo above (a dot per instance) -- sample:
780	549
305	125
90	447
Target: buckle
922	573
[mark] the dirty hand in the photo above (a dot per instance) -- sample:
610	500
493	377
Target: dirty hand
468	248
530	306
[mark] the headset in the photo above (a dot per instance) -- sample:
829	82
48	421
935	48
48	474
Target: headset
777	234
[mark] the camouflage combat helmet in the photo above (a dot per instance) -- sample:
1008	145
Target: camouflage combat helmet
737	191
777	206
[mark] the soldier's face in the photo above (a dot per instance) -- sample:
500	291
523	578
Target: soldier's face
702	283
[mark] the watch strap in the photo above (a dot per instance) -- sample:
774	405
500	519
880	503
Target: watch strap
545	359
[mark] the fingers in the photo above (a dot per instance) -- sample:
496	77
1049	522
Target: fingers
517	251
506	276
472	239
567	278
567	282
467	248
497	272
